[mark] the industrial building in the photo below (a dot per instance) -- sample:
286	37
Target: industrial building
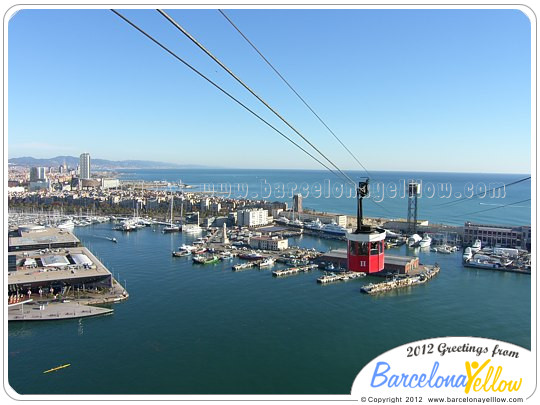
392	264
61	268
36	237
498	235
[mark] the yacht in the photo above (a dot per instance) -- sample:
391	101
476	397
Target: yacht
425	242
467	254
315	225
334	228
283	220
477	245
171	228
414	240
191	228
67	225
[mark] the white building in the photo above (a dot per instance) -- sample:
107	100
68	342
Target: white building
268	243
252	217
109	183
84	166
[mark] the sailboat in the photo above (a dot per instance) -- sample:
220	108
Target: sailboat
171	227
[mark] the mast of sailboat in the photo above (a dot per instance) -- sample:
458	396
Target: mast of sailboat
172	202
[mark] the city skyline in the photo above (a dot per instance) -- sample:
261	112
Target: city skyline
449	93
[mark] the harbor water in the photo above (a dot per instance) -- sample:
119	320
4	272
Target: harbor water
204	329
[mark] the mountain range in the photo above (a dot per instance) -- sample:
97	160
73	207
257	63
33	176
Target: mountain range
73	161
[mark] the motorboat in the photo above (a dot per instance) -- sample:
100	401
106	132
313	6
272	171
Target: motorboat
477	245
334	228
467	254
414	240
267	262
425	241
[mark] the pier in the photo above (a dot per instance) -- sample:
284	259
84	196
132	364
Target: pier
294	270
52	311
402	281
342	276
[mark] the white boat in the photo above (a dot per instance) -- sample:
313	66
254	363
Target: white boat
267	262
444	249
425	242
414	240
477	245
297	223
67	225
315	225
483	264
187	248
191	228
334	228
283	220
171	228
467	254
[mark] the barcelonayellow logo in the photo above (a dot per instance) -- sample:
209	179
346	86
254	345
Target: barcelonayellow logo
456	366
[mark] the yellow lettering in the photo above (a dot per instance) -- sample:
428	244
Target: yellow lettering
516	386
470	375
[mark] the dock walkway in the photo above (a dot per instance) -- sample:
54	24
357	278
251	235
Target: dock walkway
343	276
294	270
400	282
50	311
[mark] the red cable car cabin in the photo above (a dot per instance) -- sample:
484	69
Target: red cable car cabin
365	251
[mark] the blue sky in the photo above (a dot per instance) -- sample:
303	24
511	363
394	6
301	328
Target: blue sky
426	90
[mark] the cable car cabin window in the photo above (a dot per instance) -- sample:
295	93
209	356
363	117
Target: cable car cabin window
374	248
353	248
381	247
363	248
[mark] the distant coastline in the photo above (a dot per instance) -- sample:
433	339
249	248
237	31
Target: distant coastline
99	164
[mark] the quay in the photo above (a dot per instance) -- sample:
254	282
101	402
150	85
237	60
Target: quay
51	276
401	281
342	276
52	311
294	270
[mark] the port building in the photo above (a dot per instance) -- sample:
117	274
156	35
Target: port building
36	237
325	218
498	235
268	243
392	264
60	268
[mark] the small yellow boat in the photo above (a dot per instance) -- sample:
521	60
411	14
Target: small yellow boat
57	368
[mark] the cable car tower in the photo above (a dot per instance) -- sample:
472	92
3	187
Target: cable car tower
365	246
412	211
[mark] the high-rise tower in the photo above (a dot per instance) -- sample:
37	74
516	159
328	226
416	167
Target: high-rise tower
84	166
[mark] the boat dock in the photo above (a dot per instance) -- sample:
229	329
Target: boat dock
48	311
402	281
294	270
342	276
